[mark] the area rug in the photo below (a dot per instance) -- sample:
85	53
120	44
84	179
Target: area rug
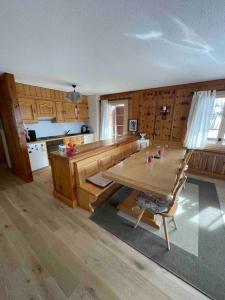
197	253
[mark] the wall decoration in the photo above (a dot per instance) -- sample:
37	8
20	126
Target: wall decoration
164	111
132	125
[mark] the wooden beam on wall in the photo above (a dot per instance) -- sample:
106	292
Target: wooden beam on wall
13	128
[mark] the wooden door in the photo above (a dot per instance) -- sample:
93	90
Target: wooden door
46	108
82	110
28	110
59	112
70	112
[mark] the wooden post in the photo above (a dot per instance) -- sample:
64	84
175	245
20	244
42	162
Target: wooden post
13	127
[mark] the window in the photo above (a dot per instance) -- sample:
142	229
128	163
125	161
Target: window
118	117
217	124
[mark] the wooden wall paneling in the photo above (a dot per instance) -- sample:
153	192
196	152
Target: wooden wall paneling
13	127
26	90
147	111
52	94
134	106
33	91
174	128
2	152
38	91
209	163
163	126
181	111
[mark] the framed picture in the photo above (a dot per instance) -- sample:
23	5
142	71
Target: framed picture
132	125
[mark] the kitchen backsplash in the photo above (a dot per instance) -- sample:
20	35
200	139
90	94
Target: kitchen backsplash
48	128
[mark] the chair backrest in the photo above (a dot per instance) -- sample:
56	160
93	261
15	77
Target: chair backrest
182	169
188	157
180	175
178	189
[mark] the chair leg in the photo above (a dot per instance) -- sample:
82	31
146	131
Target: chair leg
139	217
166	232
174	222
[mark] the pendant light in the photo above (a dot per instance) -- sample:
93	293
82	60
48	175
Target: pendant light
74	96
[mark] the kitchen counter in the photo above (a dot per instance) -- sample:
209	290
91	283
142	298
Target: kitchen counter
84	151
56	137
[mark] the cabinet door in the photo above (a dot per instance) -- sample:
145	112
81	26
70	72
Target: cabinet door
28	110
59	112
46	108
70	112
82	109
77	140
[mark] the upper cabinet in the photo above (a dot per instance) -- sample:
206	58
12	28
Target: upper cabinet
59	112
38	102
82	110
46	108
28	110
70	112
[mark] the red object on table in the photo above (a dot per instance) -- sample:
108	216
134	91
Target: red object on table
149	158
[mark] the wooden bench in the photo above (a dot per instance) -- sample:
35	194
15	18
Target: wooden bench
88	193
70	174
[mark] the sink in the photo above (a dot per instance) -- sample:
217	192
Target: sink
71	134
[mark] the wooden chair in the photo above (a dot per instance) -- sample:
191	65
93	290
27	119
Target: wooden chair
183	168
165	212
187	159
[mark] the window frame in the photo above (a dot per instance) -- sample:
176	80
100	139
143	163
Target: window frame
125	103
220	139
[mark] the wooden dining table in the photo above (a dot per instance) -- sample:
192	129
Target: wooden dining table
157	178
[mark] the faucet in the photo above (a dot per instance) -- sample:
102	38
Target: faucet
67	131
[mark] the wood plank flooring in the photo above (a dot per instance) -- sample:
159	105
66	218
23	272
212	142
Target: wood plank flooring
50	251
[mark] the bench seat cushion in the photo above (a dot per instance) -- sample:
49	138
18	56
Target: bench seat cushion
153	204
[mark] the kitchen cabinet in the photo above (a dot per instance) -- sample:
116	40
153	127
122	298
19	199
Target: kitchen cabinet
70	112
77	140
59	112
46	108
32	109
82	111
28	110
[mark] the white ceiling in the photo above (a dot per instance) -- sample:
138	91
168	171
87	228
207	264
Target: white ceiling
112	45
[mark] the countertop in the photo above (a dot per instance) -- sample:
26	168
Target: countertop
99	146
56	137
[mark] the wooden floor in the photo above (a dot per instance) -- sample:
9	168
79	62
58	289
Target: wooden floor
50	251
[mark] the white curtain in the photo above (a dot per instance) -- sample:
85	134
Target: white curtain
199	119
104	129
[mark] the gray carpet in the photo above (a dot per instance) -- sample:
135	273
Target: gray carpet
204	267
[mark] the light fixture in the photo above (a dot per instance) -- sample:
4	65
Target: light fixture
74	96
